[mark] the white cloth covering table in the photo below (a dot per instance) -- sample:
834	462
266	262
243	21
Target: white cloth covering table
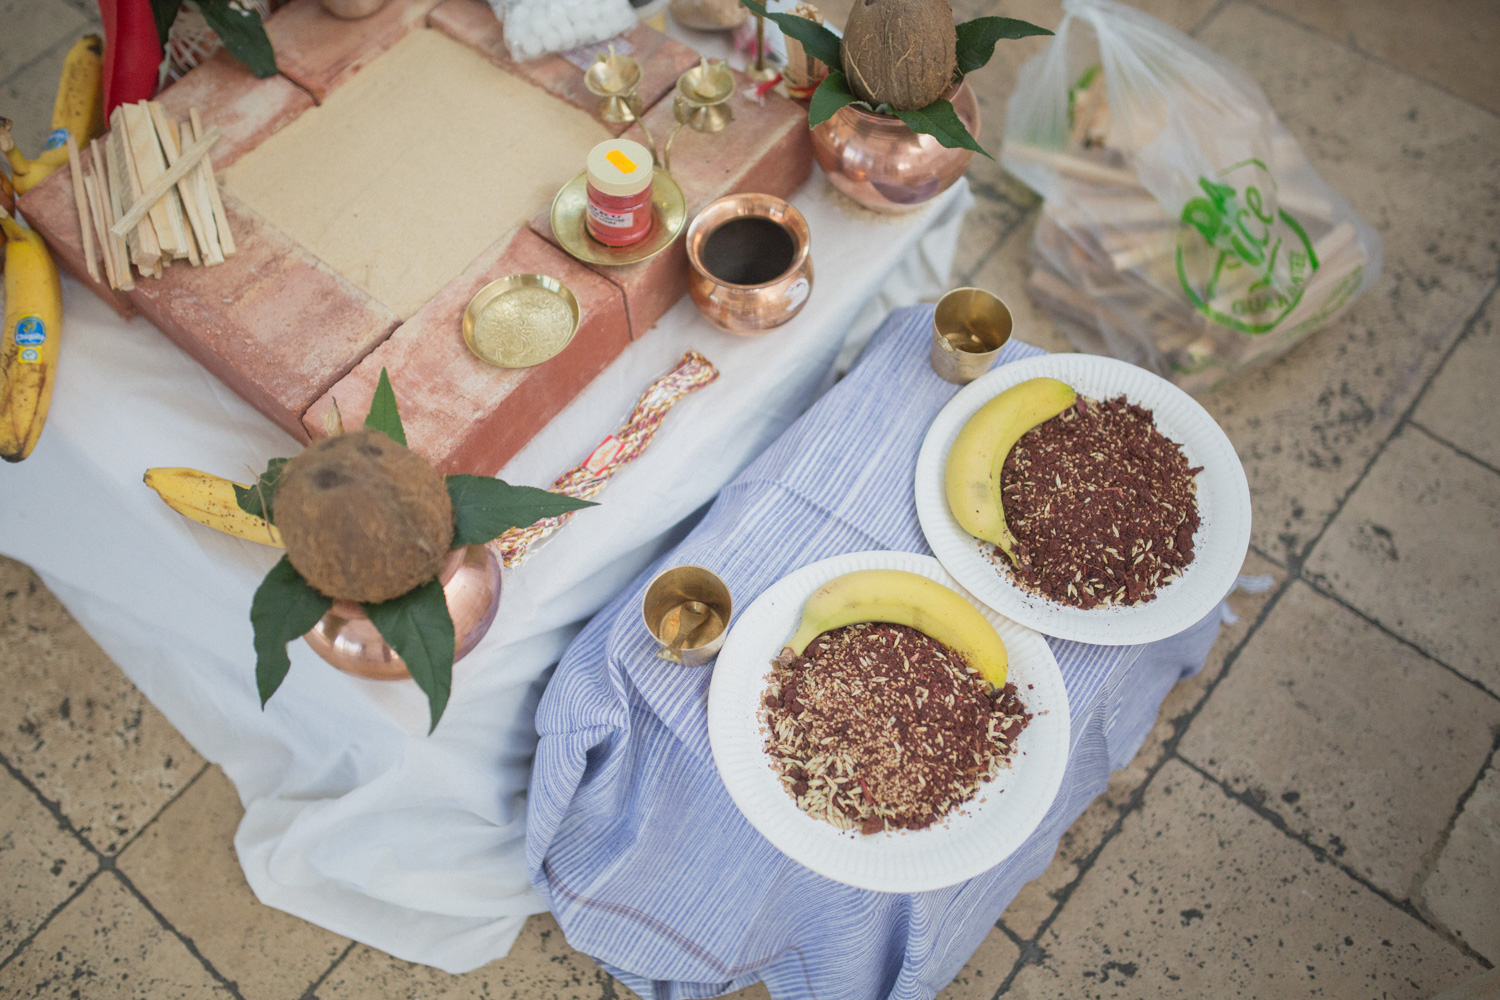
355	819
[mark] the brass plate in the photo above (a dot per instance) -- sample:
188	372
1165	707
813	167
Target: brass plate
570	209
520	320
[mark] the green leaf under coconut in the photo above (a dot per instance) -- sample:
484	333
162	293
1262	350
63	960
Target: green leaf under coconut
283	609
260	499
420	630
164	12
243	34
384	416
483	507
940	121
832	94
977	38
819	42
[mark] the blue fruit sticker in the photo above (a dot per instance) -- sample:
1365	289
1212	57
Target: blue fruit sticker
31	332
59	137
30	354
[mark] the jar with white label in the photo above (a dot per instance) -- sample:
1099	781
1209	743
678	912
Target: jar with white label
619	192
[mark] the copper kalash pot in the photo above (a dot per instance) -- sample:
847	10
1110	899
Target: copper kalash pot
881	163
346	637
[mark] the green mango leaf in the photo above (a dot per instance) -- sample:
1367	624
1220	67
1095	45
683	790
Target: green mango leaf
832	94
940	121
483	507
418	627
977	38
820	43
383	413
284	608
260	499
242	33
164	12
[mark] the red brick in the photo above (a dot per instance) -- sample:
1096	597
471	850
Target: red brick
245	109
465	415
50	210
273	322
662	59
765	149
318	51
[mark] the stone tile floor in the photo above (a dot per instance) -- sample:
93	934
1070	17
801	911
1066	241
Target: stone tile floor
1316	814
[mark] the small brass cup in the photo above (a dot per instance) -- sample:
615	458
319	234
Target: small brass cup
968	330
686	609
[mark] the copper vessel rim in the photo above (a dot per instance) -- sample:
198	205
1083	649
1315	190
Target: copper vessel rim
799	232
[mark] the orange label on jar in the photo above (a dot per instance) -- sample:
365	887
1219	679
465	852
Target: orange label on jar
622	162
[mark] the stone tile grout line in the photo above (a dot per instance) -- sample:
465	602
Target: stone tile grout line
1444	441
1323	855
1431	857
311	992
1316	582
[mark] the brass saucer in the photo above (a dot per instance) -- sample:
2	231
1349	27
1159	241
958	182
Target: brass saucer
570	209
520	320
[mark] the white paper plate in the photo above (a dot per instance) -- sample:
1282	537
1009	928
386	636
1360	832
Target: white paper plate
1223	505
976	837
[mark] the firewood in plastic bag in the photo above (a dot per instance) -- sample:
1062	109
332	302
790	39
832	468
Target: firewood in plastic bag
1183	228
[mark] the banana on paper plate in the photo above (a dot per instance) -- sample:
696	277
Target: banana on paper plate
900	598
972	476
210	500
30	340
78	111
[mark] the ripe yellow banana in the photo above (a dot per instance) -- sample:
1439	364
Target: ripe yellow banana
29	343
902	598
78	111
209	500
972	476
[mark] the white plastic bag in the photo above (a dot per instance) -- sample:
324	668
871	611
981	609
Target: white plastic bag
535	27
1183	229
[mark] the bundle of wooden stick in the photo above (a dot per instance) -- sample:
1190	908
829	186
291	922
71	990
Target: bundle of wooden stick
1105	257
151	197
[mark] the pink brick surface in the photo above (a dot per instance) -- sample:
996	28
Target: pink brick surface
319	51
765	149
273	322
662	59
245	109
465	415
50	210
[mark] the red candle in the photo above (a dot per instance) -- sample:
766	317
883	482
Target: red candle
619	192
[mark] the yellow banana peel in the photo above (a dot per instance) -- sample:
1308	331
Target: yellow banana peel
210	500
78	111
30	340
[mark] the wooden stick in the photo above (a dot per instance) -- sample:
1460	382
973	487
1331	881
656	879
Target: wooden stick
107	204
81	200
226	238
194	193
1072	166
184	190
146	250
146	152
142	204
91	189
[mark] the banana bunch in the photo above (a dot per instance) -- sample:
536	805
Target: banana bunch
972	476
210	500
29	342
78	111
902	598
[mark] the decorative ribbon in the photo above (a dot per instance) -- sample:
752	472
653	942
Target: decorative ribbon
588	480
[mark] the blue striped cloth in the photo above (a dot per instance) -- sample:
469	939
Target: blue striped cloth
632	838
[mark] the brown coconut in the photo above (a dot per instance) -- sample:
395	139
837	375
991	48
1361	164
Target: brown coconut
363	518
900	52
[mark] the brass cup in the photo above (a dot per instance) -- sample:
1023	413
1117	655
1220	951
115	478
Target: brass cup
968	330
615	78
346	637
686	609
750	309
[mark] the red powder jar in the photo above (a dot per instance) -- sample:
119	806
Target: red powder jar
619	192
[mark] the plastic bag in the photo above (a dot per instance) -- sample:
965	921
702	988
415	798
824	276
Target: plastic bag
535	27
1183	229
